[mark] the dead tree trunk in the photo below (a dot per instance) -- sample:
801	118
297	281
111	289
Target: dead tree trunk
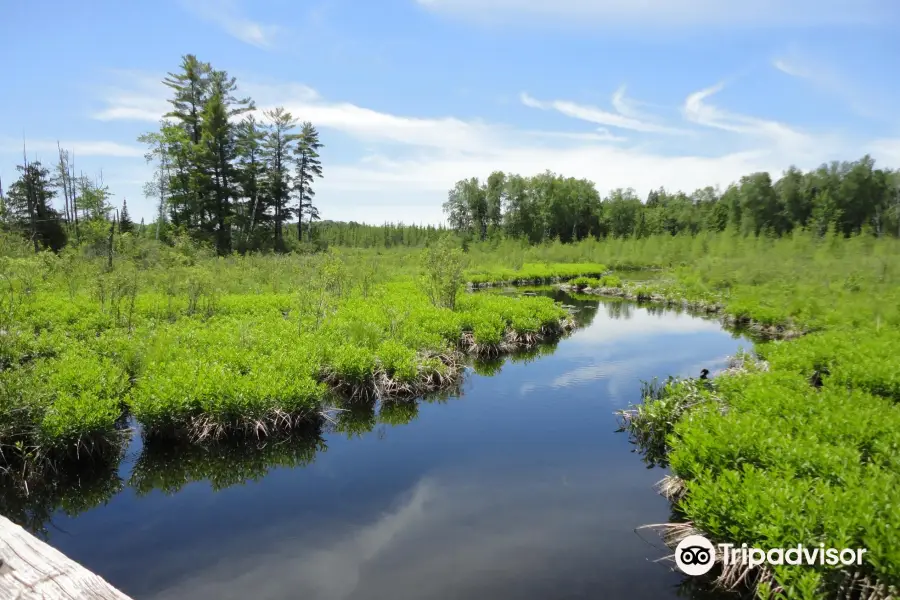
112	232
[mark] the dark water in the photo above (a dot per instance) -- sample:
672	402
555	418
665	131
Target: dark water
517	488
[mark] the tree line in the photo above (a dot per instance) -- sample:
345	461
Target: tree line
388	235
221	176
844	197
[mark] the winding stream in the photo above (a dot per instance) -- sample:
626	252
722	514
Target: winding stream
517	487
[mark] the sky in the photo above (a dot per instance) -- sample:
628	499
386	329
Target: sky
410	96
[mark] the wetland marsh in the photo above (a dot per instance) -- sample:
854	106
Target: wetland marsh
514	486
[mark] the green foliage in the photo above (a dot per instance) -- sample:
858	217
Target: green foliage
533	273
443	264
610	281
806	452
847	198
606	281
196	346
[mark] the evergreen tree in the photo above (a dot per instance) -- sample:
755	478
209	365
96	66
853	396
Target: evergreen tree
308	168
251	173
29	211
191	90
126	225
276	153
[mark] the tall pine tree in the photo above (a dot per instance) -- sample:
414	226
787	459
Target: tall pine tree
309	166
277	151
251	136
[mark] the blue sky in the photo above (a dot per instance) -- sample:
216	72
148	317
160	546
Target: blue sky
412	95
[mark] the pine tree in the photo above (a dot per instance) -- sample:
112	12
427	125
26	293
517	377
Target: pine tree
277	150
217	153
308	168
251	174
191	88
126	225
28	208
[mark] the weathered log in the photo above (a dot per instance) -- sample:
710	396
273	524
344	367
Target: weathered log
31	569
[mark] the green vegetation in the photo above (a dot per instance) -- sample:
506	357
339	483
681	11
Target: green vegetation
203	348
802	448
607	281
168	465
533	273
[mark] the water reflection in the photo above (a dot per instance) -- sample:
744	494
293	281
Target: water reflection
398	412
170	466
500	534
34	503
356	418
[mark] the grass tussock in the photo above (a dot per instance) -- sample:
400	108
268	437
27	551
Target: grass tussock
533	273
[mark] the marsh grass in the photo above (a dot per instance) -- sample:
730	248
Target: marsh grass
205	349
802	448
532	273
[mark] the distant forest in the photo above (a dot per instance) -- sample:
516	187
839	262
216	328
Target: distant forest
844	198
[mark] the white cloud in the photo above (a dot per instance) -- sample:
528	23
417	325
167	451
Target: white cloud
464	533
670	13
138	96
697	110
789	69
599	116
9	145
862	100
600	135
626	106
227	15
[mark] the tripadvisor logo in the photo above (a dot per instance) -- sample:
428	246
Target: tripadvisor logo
696	555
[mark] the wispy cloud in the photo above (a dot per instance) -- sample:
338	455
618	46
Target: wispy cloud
228	15
136	96
9	145
790	69
672	13
863	101
626	106
698	110
599	116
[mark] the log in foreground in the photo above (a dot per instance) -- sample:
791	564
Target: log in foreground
30	569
